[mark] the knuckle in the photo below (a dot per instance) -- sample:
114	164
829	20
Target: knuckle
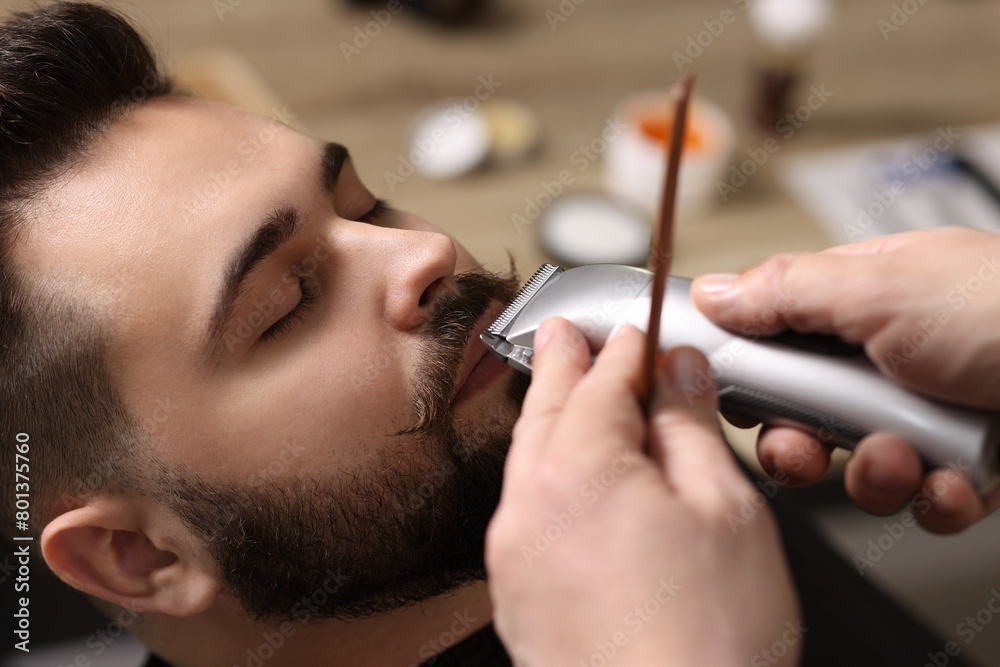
550	484
562	349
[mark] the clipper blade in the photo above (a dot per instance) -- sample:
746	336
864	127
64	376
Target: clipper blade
539	278
495	338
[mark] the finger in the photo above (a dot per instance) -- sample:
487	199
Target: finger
562	357
866	247
949	504
883	474
821	293
792	456
602	416
685	438
881	244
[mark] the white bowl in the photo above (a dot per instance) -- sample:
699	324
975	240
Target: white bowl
634	163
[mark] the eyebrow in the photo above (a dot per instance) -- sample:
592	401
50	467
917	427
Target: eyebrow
273	232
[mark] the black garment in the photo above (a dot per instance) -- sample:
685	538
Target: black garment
481	648
850	622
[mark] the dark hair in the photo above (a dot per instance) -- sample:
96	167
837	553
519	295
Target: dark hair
67	72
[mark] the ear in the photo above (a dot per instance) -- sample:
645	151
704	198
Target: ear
133	552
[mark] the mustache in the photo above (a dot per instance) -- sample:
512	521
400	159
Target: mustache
445	339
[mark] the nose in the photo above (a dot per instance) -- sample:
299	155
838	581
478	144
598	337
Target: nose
410	269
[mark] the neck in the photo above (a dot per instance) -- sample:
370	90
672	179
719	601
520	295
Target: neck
403	638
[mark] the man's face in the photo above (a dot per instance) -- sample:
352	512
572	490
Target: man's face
299	356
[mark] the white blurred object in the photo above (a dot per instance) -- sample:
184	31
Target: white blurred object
635	161
789	26
591	228
898	185
449	140
456	136
515	130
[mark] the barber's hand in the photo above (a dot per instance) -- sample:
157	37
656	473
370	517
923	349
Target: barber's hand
614	535
926	307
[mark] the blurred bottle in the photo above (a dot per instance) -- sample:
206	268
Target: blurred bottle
787	33
442	12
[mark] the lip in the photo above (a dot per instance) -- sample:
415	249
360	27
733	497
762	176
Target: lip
477	359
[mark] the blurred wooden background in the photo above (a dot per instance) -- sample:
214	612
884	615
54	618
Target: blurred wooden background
938	69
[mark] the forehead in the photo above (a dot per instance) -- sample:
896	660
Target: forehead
174	184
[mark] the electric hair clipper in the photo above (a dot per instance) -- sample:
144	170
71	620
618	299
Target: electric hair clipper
816	383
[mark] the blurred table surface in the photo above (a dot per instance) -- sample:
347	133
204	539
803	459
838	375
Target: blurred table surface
938	69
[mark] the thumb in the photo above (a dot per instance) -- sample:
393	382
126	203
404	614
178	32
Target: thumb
685	436
804	292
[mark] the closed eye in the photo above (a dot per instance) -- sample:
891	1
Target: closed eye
309	292
380	208
309	298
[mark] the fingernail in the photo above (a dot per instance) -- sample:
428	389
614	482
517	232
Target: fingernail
684	369
717	283
617	331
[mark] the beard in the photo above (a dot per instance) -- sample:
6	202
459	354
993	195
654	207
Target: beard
408	527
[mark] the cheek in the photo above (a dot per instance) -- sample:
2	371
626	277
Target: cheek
314	414
352	398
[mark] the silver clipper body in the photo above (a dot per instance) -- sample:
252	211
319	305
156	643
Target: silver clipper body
813	382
